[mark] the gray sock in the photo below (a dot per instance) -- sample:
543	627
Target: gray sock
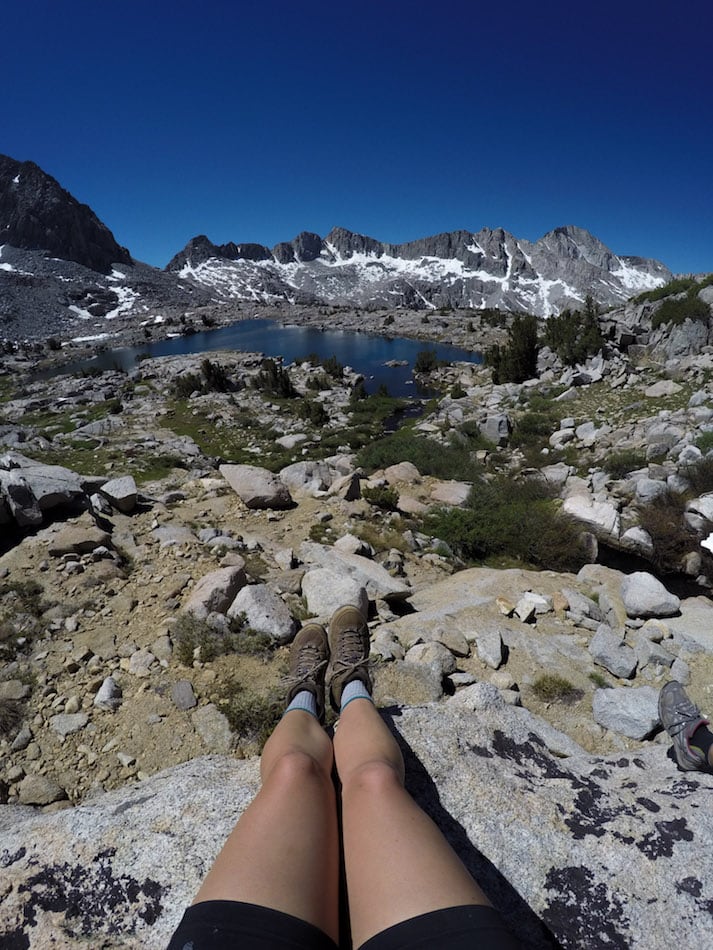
305	701
354	690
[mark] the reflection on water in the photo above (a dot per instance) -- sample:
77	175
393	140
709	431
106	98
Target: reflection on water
364	352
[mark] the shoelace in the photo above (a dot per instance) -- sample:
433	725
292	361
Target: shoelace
351	652
310	662
685	714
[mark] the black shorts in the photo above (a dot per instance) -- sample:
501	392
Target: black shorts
232	925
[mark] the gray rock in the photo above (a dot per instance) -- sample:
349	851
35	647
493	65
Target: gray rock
109	695
681	671
648	490
65	724
489	645
22	739
325	591
40	790
265	612
553	797
451	493
644	596
183	696
77	539
695	624
14	690
213	728
608	650
310	477
637	540
121	493
650	653
216	591
257	487
402	472
496	428
478	697
432	654
173	534
582	605
379	584
628	712
601	516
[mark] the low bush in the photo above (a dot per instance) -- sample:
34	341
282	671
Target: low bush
212	378
700	475
517	519
313	412
11	713
705	442
675	310
671	536
381	497
252	715
426	361
676	286
620	464
429	457
550	687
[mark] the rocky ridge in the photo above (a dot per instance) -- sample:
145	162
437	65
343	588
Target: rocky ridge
487	269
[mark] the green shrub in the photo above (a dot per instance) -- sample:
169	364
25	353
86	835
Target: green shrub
11	713
600	681
429	457
676	310
457	391
672	538
382	497
517	360
252	715
550	687
212	379
510	518
700	475
274	379
676	286
619	464
426	361
705	442
574	336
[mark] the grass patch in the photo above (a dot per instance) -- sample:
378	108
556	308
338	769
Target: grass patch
705	442
383	537
599	681
550	687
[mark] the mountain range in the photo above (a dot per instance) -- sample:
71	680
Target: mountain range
60	265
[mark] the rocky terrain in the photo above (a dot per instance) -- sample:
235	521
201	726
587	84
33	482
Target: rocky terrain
165	531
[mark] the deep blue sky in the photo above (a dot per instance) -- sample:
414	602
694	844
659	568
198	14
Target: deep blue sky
252	121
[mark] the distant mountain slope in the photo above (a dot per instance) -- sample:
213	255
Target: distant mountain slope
490	268
36	213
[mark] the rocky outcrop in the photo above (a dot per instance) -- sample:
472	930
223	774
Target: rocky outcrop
590	841
38	214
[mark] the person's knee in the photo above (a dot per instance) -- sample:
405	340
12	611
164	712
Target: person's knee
375	777
298	766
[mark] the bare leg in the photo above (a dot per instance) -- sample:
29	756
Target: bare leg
398	864
284	851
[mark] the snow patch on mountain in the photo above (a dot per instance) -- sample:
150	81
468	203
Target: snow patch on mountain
457	269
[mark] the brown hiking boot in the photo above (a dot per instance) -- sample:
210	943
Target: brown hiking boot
349	649
309	656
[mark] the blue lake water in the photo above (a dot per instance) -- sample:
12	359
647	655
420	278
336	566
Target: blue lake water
364	352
